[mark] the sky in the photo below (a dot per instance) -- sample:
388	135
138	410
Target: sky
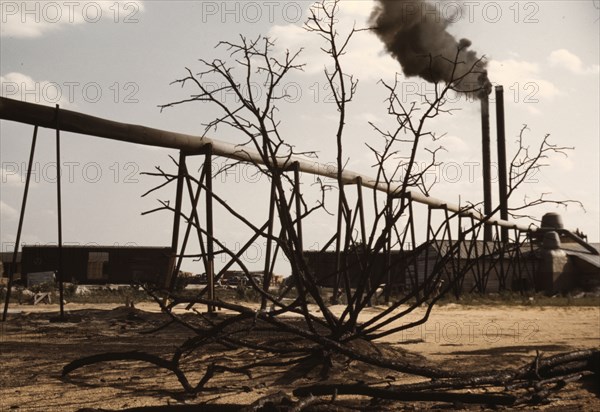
117	60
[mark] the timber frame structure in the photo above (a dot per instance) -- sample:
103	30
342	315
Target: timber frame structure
188	145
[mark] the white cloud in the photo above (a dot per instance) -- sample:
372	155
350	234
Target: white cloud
523	79
534	110
455	144
567	60
370	117
10	175
19	86
357	8
7	212
565	163
34	19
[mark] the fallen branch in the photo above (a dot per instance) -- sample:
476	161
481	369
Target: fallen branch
425	396
172	366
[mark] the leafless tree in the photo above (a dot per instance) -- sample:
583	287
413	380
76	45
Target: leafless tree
320	335
526	164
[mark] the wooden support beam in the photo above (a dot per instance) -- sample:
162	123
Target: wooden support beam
13	265
43	116
210	270
173	268
59	271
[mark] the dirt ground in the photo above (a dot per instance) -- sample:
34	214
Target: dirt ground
33	351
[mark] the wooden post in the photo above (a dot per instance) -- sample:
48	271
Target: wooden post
338	251
413	239
267	271
195	197
388	247
59	211
427	245
20	227
210	270
177	219
363	236
298	204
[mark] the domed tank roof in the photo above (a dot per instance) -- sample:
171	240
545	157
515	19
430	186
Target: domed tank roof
552	221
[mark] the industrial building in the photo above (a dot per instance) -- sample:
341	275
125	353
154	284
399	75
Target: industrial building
95	264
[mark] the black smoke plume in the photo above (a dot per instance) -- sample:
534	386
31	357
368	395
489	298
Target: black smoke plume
414	32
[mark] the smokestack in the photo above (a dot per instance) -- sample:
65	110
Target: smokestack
502	174
415	33
485	147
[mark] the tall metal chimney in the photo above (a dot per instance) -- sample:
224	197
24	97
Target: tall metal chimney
487	180
502	174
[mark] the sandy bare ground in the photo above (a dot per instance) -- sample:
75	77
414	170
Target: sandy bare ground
34	350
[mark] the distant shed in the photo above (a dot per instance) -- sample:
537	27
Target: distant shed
484	268
101	264
6	264
323	265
